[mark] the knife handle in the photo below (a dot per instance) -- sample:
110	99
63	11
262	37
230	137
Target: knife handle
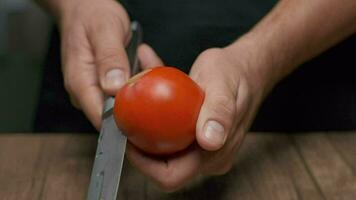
131	51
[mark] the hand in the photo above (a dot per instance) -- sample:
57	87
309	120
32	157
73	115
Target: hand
94	61
234	88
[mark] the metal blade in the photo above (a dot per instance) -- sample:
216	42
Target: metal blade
108	161
109	158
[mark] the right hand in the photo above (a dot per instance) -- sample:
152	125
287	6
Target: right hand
94	62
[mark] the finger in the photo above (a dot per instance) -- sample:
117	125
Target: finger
169	174
148	57
82	86
220	162
224	166
108	42
91	102
216	117
80	75
218	112
74	102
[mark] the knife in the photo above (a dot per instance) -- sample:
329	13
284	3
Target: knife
109	157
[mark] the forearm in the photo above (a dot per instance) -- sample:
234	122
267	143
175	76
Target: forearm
297	30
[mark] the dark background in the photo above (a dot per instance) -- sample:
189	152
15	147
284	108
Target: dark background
24	30
320	95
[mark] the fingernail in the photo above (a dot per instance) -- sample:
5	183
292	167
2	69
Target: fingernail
114	78
215	133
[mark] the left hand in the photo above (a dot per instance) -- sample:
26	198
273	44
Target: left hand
233	91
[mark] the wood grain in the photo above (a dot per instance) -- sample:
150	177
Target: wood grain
335	177
268	166
45	167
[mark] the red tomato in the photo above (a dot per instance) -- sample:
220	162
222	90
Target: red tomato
158	110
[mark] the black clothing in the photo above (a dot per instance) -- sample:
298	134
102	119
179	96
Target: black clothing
320	95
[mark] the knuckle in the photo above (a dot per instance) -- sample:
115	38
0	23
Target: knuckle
74	102
218	169
107	56
169	182
111	17
224	169
68	86
210	57
70	78
224	106
212	54
169	185
72	86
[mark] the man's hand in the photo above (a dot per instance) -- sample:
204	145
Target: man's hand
236	78
232	95
94	61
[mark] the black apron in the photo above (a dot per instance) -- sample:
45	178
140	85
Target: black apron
320	95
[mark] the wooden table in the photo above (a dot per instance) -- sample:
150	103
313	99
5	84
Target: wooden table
269	167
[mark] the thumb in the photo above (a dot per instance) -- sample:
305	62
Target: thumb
110	56
218	112
217	115
148	57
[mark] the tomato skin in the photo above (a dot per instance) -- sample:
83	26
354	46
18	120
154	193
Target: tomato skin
158	111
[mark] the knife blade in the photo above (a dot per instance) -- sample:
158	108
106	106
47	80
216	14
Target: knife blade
109	157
